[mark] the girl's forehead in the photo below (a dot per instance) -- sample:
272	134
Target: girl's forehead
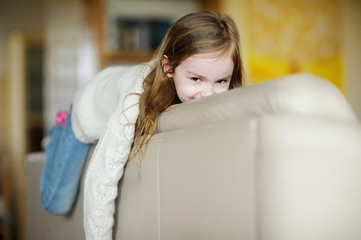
208	59
212	56
208	64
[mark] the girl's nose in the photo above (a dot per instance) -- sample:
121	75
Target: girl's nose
207	91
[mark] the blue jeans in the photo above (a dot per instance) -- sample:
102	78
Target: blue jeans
62	170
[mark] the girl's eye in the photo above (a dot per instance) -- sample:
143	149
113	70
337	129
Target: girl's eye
195	79
222	81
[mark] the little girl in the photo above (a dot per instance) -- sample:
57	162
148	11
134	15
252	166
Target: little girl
198	57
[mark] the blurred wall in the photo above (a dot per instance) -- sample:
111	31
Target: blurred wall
15	15
24	15
70	54
351	16
3	110
338	25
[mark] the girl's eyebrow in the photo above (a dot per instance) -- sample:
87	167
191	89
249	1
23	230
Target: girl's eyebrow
228	77
196	74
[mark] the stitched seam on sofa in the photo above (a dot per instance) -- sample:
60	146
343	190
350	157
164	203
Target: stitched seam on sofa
158	186
255	153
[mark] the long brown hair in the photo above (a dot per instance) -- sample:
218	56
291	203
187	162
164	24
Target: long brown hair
200	32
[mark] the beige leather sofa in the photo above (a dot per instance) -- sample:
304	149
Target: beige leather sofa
280	160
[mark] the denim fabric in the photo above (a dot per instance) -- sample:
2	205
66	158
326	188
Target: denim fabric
62	170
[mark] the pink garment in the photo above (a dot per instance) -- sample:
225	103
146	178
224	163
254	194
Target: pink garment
61	117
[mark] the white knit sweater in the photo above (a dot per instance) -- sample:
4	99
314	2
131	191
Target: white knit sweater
106	109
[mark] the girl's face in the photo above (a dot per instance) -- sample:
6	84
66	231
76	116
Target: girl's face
201	75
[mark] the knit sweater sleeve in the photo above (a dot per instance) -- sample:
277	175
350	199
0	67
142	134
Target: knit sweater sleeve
106	169
107	163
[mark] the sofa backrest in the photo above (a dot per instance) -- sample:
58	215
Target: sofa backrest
279	160
304	94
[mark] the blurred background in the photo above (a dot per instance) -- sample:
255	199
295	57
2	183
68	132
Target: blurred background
49	48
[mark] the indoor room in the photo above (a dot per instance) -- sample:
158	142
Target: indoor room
51	49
